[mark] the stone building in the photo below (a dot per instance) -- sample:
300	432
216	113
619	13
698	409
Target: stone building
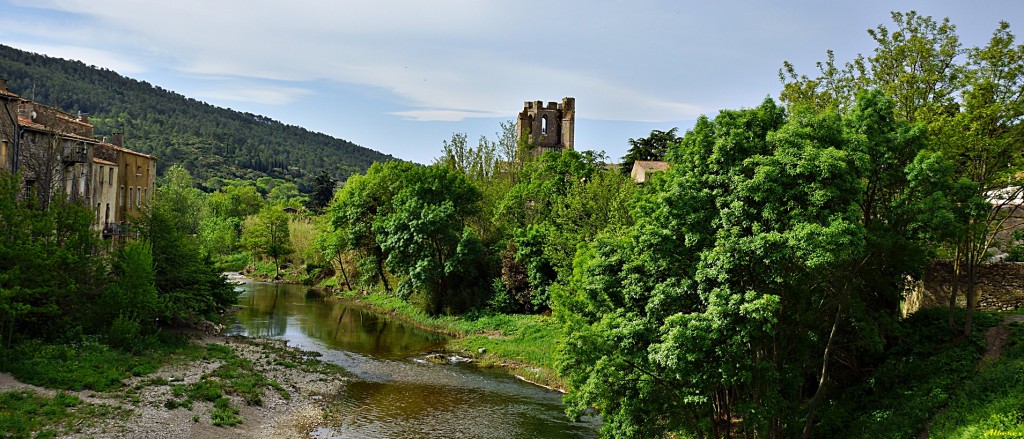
54	153
58	155
137	179
548	127
8	126
642	169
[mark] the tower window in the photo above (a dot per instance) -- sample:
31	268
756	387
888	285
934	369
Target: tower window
544	124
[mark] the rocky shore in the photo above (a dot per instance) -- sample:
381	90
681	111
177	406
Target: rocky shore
140	408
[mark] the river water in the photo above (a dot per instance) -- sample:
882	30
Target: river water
395	393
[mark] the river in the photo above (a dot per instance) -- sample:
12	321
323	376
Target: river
395	392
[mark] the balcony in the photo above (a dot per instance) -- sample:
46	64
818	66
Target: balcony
111	230
75	154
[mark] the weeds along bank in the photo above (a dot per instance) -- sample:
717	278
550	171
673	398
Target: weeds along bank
200	386
525	345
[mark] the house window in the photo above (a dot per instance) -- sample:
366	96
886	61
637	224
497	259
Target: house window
111	176
101	175
138	196
138	170
3	154
131	196
145	194
106	216
122	197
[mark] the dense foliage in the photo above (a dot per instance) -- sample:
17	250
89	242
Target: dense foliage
59	281
969	98
754	289
208	141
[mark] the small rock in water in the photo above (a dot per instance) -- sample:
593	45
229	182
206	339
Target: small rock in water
438	359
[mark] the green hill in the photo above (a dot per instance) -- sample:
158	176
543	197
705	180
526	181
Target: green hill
207	140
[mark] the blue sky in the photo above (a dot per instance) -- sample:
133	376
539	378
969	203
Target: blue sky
401	76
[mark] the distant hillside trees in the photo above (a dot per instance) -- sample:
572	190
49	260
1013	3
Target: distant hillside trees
207	141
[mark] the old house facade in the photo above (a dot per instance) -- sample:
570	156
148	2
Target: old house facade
54	153
137	180
57	155
8	126
548	127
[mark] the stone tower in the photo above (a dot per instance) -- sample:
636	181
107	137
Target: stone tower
549	127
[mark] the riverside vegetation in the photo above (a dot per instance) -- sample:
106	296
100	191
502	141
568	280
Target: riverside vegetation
754	289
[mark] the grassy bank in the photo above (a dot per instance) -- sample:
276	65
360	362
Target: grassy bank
219	378
524	344
991	403
931	381
24	414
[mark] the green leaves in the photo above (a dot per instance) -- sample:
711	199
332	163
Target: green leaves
414	220
710	306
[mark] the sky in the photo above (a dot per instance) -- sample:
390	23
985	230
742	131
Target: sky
401	76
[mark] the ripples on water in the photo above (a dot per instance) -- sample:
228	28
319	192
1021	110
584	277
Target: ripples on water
394	396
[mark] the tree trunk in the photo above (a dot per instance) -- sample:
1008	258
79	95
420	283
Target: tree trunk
341	265
972	270
383	277
955	290
813	403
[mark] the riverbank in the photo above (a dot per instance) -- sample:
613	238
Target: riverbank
524	345
216	386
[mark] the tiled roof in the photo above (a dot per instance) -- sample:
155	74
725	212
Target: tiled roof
25	123
648	165
122	149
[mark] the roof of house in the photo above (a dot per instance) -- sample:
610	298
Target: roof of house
123	149
103	162
35	126
649	165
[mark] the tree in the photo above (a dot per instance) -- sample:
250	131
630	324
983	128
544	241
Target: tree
323	191
971	104
705	316
266	234
427	238
48	263
358	204
653	147
179	194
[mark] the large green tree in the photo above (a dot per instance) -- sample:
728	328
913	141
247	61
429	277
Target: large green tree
415	222
971	101
653	147
266	234
706	317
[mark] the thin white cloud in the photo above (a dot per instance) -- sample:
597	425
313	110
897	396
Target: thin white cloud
87	55
437	115
256	95
445	60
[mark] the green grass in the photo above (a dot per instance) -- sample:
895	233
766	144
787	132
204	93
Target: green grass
990	404
25	414
235	376
92	365
87	364
920	376
525	344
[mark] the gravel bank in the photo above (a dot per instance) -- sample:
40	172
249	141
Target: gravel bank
308	388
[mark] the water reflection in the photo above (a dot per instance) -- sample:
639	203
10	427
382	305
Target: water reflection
285	311
396	395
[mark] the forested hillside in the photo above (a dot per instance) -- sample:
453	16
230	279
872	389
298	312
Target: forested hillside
208	141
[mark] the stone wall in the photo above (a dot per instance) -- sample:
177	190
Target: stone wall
999	287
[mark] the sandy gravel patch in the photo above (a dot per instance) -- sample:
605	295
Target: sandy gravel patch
145	397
